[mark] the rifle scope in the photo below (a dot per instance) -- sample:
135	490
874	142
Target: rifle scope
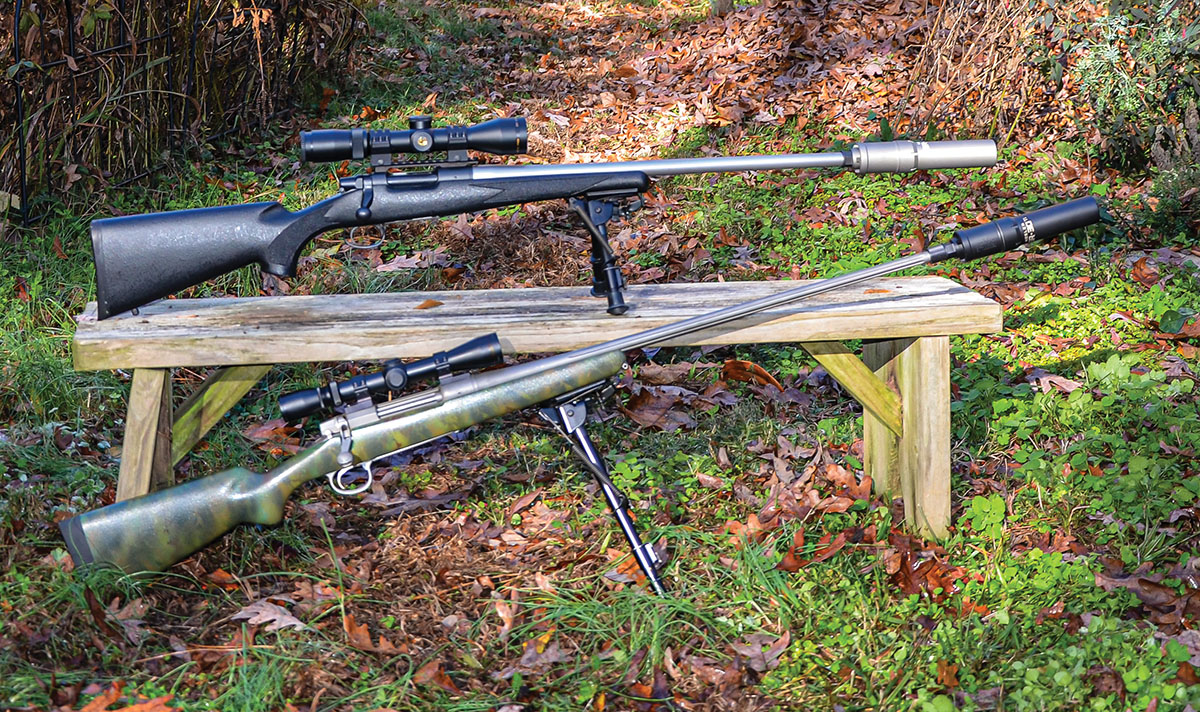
499	136
480	352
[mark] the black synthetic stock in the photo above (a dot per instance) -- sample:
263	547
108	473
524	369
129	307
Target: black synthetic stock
141	258
1010	233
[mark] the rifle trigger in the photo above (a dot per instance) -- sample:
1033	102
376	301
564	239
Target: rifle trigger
345	458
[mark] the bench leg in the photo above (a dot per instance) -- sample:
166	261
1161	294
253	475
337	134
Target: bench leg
916	464
923	376
881	446
146	451
213	399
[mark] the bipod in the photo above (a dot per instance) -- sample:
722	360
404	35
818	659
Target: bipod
567	414
596	210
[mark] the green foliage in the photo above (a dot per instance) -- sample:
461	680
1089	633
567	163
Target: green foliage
1141	70
986	515
1173	210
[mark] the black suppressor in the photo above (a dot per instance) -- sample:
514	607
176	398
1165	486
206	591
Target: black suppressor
396	375
500	136
1010	233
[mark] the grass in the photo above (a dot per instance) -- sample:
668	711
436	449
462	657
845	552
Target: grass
1051	487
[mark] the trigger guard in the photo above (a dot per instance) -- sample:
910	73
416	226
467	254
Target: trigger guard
365	246
340	487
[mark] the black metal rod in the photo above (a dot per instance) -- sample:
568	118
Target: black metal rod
641	551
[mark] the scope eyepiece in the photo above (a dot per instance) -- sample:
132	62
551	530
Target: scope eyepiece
480	352
498	136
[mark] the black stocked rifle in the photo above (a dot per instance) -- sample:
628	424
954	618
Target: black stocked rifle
154	531
140	258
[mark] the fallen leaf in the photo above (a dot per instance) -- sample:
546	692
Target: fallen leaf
947	674
748	372
431	673
524	501
654	408
399	263
1143	272
508	614
275	616
539	655
358	634
656	375
761	651
224	579
271	430
106	698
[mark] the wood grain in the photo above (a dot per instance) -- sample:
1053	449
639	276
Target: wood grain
877	400
262	330
923	376
881	446
146	450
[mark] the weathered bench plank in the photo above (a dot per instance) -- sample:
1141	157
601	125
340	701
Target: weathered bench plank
263	330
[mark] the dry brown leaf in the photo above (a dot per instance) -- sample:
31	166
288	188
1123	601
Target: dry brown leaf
947	674
524	501
748	372
508	614
274	430
104	699
432	673
275	616
357	633
661	375
654	408
1144	272
761	651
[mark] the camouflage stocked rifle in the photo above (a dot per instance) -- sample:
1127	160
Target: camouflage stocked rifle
156	530
140	258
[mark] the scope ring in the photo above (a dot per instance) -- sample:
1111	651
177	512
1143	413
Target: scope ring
340	487
371	246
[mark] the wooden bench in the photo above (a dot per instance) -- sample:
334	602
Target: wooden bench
902	380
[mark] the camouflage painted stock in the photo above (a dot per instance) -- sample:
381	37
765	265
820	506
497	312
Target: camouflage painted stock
155	531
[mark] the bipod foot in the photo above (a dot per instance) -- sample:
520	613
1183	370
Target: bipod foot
568	419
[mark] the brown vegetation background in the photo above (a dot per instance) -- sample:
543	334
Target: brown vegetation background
98	89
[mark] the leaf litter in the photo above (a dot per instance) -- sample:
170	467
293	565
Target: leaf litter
766	64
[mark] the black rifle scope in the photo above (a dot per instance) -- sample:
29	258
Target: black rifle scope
480	352
500	136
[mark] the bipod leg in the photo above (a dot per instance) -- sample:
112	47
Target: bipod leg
569	419
606	275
